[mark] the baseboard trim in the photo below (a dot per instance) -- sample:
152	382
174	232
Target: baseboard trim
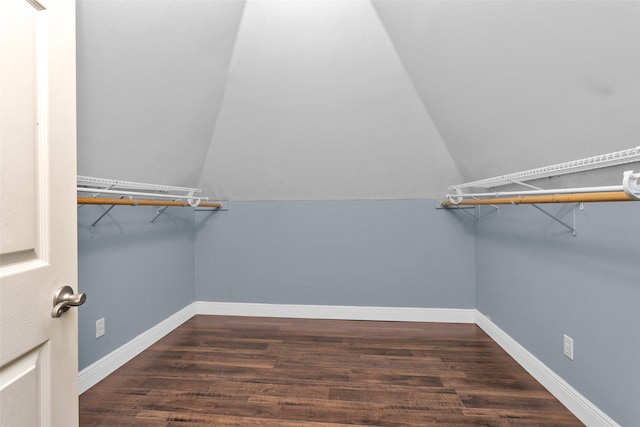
394	314
100	369
96	372
579	405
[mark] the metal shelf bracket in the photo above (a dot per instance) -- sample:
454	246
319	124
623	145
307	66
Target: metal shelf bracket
572	229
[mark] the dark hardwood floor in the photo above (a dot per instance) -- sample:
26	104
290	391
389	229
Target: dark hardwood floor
241	371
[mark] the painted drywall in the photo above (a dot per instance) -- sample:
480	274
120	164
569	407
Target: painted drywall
151	79
537	283
520	268
135	273
396	253
319	107
514	85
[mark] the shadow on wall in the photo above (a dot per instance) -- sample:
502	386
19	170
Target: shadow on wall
597	245
133	223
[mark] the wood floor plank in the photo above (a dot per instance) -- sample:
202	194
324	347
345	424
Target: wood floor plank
256	372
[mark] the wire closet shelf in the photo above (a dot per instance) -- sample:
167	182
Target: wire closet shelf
629	190
90	189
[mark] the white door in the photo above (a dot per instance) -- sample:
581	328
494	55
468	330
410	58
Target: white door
38	353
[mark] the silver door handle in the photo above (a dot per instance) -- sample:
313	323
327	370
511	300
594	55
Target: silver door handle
64	298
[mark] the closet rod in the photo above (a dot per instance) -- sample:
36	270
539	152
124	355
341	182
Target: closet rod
618	196
142	202
540	192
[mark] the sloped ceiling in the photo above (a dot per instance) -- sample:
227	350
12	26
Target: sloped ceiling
319	106
515	85
151	79
352	99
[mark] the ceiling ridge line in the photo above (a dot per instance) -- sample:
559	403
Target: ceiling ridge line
232	59
415	88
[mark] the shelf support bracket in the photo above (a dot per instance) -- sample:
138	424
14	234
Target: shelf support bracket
564	224
495	209
464	211
159	212
104	214
524	184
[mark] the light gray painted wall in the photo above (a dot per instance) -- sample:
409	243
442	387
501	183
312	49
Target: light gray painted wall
135	273
400	253
525	271
537	282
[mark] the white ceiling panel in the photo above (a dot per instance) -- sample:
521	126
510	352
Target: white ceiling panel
151	77
514	85
319	106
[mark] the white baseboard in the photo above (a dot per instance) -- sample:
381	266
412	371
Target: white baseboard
96	372
100	369
395	314
579	405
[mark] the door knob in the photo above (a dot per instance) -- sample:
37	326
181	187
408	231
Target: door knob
64	298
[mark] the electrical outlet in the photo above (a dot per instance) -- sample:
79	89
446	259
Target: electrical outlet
568	347
100	331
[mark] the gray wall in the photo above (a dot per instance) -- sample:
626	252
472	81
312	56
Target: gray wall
135	273
537	282
400	253
525	271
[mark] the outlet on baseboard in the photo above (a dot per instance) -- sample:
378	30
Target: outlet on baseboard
568	347
100	331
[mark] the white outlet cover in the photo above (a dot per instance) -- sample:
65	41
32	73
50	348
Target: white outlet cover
568	347
100	330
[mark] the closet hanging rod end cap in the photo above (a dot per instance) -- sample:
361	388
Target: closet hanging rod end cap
631	184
